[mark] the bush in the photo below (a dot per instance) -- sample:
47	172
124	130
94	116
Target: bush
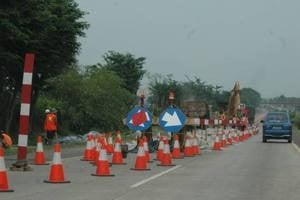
292	115
297	121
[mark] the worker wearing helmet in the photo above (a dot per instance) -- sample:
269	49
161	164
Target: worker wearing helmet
50	126
5	139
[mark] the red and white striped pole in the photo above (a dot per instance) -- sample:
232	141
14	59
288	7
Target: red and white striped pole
25	111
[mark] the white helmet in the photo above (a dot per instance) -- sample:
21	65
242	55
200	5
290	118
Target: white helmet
47	111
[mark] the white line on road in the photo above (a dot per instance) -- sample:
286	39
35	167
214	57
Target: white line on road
72	157
154	177
296	147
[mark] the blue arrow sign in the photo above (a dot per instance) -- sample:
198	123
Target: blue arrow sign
139	119
172	120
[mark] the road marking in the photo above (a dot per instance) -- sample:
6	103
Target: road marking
68	158
296	147
154	177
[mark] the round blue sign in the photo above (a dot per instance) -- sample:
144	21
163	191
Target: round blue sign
139	119
172	120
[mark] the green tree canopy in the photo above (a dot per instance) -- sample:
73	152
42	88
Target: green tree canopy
159	87
250	97
129	68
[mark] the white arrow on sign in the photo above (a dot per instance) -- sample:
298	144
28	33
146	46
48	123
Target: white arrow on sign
172	120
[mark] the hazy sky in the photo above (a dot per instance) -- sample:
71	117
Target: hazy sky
254	41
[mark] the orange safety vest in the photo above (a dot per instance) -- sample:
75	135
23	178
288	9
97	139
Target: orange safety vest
6	140
50	123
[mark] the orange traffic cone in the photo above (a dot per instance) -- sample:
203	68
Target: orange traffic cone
223	143
195	146
160	149
167	158
102	168
246	136
39	153
104	141
3	175
249	133
241	136
188	150
141	161
236	137
252	132
119	135
56	172
176	154
146	149
110	145
99	144
117	158
88	152
229	139
217	143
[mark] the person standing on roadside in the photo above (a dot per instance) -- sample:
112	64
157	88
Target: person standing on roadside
50	126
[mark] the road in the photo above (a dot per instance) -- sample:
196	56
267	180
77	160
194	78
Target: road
249	170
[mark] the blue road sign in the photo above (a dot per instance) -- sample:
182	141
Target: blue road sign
139	119
172	120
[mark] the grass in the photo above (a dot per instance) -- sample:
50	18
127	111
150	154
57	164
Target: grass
31	149
14	149
296	130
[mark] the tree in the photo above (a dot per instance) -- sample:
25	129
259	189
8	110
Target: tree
129	68
190	90
47	28
159	87
250	97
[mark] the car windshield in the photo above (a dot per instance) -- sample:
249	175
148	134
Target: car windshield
277	117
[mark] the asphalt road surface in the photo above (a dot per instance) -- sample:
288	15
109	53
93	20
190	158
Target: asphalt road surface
250	170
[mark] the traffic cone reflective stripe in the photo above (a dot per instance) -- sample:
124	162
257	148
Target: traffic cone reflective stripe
102	168
39	158
117	158
176	154
56	172
140	161
167	158
3	174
